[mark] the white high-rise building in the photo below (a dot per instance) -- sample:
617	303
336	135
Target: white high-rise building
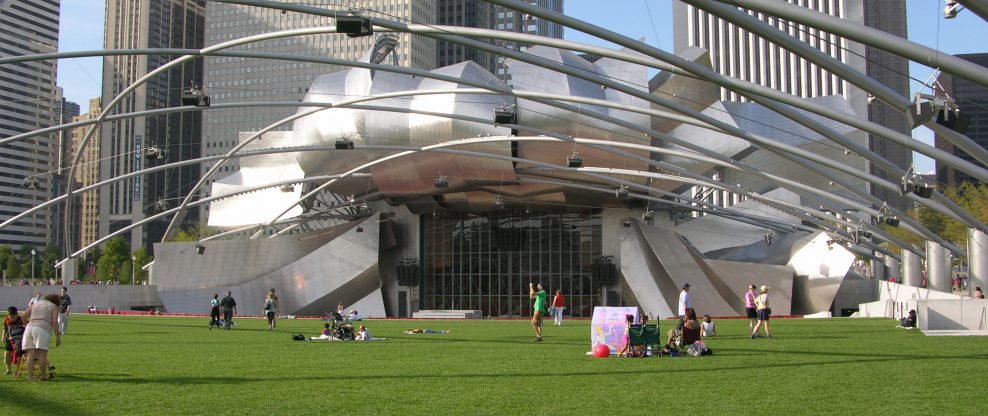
27	103
741	54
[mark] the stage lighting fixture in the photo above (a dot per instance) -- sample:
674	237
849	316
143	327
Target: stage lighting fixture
621	192
505	115
354	26
195	96
344	144
442	182
574	161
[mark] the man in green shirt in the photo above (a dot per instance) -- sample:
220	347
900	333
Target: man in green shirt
538	309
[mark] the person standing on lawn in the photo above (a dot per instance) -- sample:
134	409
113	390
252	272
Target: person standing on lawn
64	301
749	307
764	310
229	309
558	305
41	318
685	303
538	308
277	307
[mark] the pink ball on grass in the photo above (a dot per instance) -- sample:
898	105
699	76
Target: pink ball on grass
601	351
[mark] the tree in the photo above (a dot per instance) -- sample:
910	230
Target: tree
13	269
194	233
52	256
124	276
143	258
972	197
115	252
5	255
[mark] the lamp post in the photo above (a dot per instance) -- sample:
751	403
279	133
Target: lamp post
133	269
33	253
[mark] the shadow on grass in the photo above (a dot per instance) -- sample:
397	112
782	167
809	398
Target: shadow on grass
27	403
223	380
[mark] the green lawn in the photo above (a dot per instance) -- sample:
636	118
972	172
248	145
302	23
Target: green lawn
163	365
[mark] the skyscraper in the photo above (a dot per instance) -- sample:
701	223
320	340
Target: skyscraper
87	210
973	101
61	153
512	21
27	27
132	24
741	54
469	13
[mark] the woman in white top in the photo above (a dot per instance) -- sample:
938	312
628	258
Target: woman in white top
707	327
37	334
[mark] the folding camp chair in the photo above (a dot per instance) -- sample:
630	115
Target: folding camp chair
651	335
636	341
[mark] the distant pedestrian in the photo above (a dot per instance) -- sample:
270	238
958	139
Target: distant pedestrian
277	307
538	308
64	302
684	300
270	309
214	311
558	305
229	306
764	311
749	307
35	299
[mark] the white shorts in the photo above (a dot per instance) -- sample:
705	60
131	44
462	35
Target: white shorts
36	338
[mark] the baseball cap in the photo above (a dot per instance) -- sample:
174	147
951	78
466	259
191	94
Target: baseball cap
686	285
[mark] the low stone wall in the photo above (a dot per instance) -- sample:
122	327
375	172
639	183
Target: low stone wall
123	297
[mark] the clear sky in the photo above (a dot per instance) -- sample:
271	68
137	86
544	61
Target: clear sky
82	29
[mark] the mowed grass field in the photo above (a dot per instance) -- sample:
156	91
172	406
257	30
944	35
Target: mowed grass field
117	365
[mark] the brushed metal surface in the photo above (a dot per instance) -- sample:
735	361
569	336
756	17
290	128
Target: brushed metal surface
912	269
977	257
938	267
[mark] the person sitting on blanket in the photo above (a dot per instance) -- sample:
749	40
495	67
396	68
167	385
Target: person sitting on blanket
327	333
363	334
425	331
909	321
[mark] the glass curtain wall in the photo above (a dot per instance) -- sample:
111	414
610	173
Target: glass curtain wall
486	262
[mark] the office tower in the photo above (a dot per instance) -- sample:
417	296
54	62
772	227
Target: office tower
233	79
64	109
972	99
86	225
61	153
512	21
27	27
744	55
133	24
469	13
893	71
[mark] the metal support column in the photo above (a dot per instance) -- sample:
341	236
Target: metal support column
894	269
977	260
937	267
911	269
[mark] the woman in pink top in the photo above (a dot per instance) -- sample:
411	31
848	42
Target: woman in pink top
749	307
37	334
